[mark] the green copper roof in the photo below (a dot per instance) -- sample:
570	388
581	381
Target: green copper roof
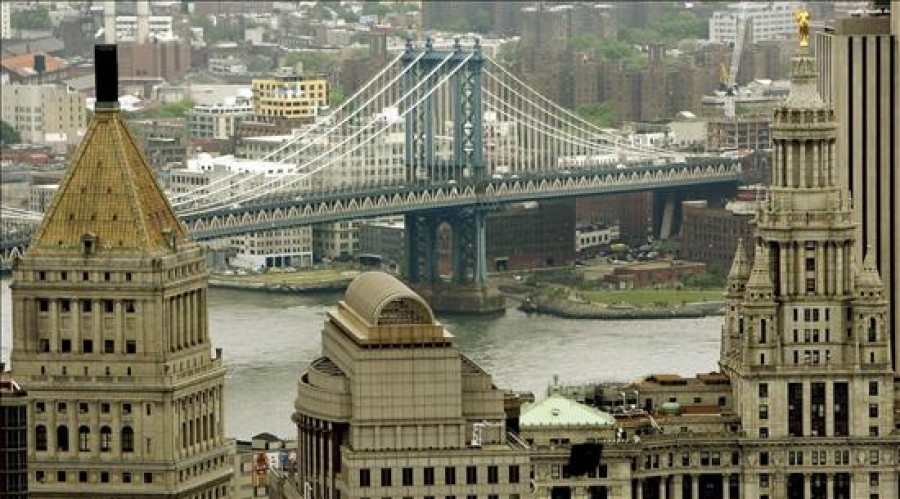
557	410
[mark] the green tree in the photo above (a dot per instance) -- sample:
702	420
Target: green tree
336	96
601	115
316	62
36	18
258	63
8	134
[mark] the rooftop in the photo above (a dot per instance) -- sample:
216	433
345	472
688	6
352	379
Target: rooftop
23	65
557	410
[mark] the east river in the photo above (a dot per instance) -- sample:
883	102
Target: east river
268	339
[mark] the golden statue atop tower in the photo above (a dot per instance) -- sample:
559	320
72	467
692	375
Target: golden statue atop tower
801	16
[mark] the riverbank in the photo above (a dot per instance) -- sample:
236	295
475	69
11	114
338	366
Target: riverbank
312	281
580	310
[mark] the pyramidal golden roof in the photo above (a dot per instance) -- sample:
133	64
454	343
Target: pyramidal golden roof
110	197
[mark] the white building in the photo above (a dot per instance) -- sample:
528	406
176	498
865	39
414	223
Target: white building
227	66
158	27
273	248
45	114
771	21
592	236
41	195
218	121
5	20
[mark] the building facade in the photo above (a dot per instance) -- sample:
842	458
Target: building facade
44	113
859	73
218	121
770	21
13	438
110	333
710	234
289	96
392	409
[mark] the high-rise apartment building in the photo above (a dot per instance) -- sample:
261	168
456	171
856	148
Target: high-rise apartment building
13	438
859	73
770	21
110	332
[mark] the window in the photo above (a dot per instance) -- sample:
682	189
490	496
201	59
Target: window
86	306
763	411
873	388
87	346
130	346
40	437
61	476
385	477
763	432
126	477
105	439
40	407
109	346
148	477
450	475
493	474
763	390
62	438
104	477
84	438
126	408
873	410
428	476
104	408
43	305
65	346
65	305
471	474
874	457
873	431
873	479
407	476
127	439
129	306
763	458
82	476
365	478
513	474
43	345
106	276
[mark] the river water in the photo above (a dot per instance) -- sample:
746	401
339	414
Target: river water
268	339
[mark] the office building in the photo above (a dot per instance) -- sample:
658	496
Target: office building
218	121
393	409
13	438
859	73
289	96
6	21
110	332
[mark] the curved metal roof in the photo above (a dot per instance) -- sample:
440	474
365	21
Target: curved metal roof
381	299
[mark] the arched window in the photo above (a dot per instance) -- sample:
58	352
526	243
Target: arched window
40	437
127	439
105	439
84	437
62	438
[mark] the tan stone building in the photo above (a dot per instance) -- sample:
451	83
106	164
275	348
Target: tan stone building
110	334
44	114
392	409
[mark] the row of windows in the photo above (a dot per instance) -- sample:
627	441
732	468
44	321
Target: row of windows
84	408
84	477
85	276
107	371
87	346
126	442
428	476
87	306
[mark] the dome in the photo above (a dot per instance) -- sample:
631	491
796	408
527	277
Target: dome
382	300
670	409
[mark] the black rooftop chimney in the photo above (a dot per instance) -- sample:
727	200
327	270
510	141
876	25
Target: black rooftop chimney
106	76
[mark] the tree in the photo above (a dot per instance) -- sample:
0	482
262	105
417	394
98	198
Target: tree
316	62
601	115
258	63
8	134
36	18
335	96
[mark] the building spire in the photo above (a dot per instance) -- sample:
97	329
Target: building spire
868	279
740	268
760	285
109	202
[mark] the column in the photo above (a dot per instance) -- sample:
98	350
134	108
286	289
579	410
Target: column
695	486
640	488
776	163
783	269
807	409
119	324
726	485
807	486
816	145
75	320
53	322
677	484
804	181
480	270
839	277
662	487
829	481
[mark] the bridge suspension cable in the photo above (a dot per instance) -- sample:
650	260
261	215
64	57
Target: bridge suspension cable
299	137
595	129
279	185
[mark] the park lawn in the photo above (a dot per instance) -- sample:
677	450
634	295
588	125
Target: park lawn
650	297
299	277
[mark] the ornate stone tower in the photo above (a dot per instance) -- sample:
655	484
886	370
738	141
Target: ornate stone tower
110	332
805	342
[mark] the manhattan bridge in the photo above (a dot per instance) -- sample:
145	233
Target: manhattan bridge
440	136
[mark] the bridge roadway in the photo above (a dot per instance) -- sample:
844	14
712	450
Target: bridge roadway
281	212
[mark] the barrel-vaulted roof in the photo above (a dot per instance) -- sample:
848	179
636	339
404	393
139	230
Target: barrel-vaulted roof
557	410
381	299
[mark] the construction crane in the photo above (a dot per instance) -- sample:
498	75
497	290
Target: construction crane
742	23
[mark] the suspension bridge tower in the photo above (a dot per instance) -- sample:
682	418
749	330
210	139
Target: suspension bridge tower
426	130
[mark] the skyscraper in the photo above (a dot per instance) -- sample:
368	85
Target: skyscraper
859	73
110	334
